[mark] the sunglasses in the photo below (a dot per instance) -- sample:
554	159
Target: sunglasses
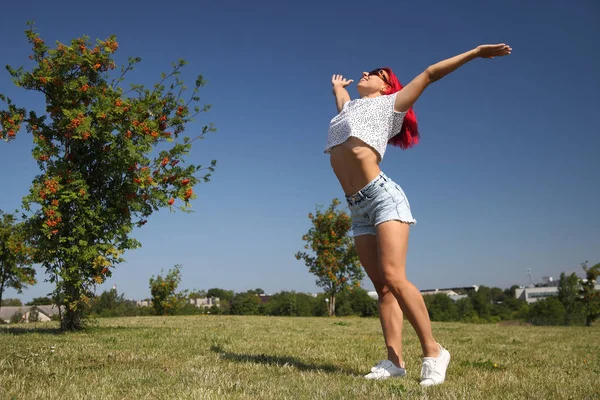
380	73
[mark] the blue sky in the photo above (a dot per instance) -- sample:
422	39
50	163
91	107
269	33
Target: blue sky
506	177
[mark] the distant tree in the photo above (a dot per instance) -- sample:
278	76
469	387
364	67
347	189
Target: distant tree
282	304
321	306
221	294
197	294
246	303
216	310
165	299
497	295
466	312
361	303
40	301
12	303
333	260
343	307
16	256
305	304
189	309
512	309
511	292
568	292
355	301
549	311
111	304
590	296
107	301
501	311
482	301
441	308
225	297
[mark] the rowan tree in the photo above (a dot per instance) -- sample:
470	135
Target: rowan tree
109	156
165	299
590	296
16	255
333	259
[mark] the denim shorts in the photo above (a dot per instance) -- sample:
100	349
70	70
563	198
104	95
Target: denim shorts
379	201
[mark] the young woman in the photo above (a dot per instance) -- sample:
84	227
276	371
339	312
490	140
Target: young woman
381	215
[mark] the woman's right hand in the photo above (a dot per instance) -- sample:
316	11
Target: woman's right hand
340	81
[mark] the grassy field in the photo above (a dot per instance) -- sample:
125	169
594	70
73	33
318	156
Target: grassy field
227	357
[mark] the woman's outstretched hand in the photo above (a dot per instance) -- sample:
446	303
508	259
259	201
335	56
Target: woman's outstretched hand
339	80
493	50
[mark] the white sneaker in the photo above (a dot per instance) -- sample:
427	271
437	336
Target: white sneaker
433	371
385	369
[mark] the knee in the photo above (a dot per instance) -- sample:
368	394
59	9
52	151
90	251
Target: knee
383	292
394	278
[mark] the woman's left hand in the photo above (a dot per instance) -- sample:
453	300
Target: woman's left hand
493	50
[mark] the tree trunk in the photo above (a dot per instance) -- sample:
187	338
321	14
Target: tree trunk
332	305
1	292
71	320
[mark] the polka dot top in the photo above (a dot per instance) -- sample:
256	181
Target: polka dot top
372	120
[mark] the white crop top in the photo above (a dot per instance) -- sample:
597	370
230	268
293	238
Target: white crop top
372	120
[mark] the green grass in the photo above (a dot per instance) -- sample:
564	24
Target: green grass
227	357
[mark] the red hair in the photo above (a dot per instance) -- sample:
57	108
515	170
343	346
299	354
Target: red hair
409	133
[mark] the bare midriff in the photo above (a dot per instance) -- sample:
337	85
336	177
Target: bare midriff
355	164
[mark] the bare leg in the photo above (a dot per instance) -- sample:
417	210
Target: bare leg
390	314
392	240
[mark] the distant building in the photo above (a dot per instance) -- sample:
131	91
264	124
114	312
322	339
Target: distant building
457	297
450	292
205	302
533	294
143	303
548	281
45	313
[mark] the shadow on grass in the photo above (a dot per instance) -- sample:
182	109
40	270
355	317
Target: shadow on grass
46	330
21	330
280	361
